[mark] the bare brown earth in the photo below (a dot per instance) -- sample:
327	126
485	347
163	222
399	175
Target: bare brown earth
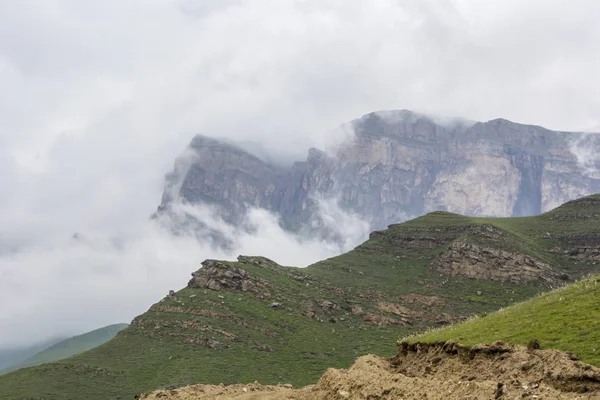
441	371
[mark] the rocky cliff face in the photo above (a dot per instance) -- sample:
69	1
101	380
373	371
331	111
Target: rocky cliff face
399	165
477	262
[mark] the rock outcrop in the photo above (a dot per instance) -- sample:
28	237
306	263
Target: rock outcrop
478	262
399	165
216	275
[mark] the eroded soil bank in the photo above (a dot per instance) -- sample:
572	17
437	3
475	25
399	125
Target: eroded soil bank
439	371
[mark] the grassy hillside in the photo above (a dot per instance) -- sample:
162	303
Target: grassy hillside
567	319
70	347
255	320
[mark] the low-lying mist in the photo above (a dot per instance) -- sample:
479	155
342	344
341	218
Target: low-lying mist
71	284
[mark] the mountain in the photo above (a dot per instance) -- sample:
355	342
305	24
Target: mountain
399	165
69	347
454	358
252	319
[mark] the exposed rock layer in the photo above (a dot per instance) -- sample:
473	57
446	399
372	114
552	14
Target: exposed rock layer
473	261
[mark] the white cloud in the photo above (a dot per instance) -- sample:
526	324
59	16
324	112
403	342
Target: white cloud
583	148
97	98
346	229
73	284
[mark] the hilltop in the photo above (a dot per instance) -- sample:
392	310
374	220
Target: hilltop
252	319
454	358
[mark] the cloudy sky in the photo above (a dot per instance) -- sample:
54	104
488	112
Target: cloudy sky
97	98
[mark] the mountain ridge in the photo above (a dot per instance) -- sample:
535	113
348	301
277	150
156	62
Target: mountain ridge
397	166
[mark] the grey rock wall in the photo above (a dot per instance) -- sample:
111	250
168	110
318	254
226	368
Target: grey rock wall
398	166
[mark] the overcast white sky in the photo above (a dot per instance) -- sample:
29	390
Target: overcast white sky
97	98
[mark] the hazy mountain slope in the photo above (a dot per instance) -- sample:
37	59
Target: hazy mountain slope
255	320
399	165
10	357
70	347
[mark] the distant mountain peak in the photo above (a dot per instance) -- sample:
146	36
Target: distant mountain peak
400	164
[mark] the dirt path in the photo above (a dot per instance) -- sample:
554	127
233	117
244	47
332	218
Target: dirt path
442	371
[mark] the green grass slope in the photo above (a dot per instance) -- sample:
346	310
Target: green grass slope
566	319
70	347
255	320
